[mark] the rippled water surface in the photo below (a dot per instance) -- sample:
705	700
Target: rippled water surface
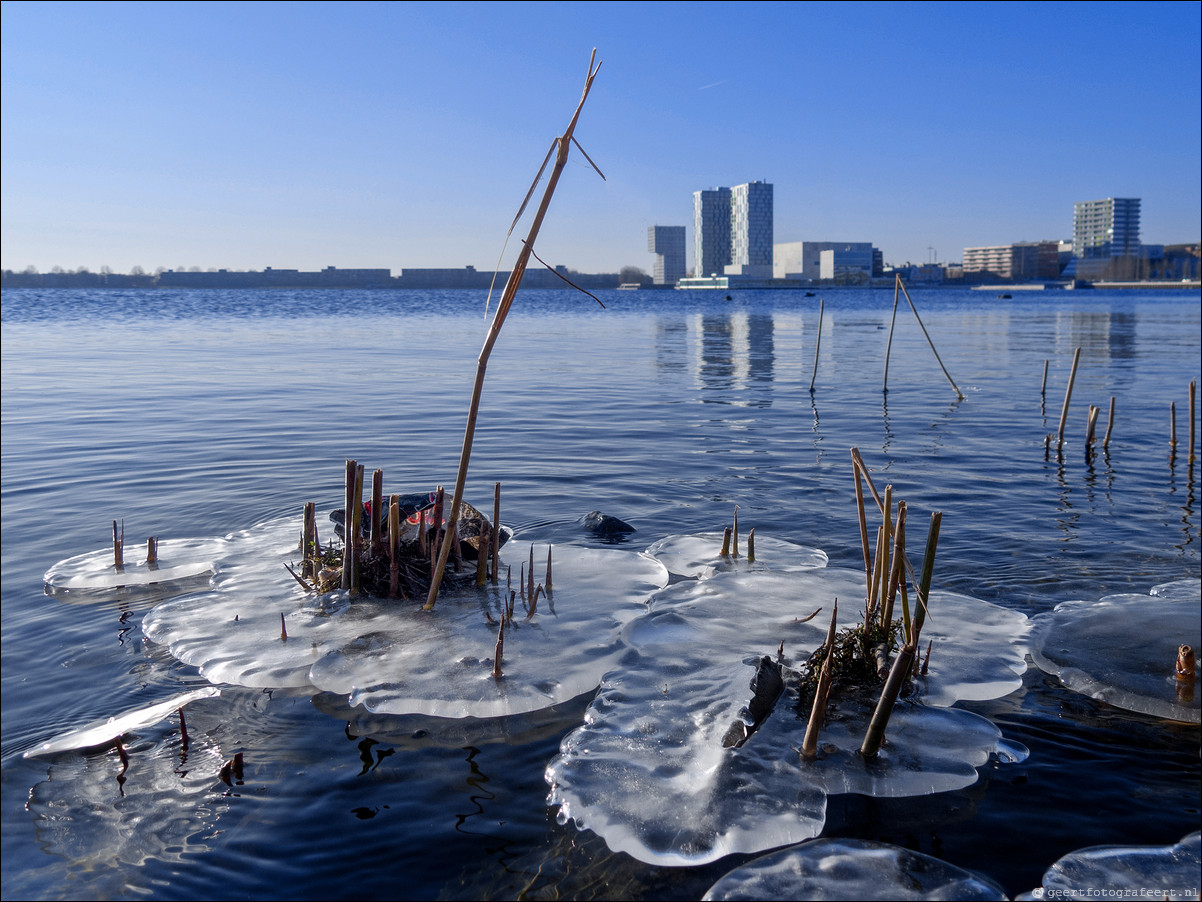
198	414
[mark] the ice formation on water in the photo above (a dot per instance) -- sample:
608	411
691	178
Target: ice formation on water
407	661
258	628
1125	872
700	555
850	869
1122	649
650	771
105	731
102	814
181	562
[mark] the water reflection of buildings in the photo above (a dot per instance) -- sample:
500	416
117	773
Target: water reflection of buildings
732	358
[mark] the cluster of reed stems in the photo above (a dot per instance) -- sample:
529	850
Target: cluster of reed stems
378	558
1095	411
529	592
885	574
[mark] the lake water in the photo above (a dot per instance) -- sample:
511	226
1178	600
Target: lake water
198	414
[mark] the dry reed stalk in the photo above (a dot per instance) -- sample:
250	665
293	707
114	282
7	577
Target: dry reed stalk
922	590
354	527
496	533
1043	385
483	542
878	568
548	567
152	553
1109	426
1091	425
895	571
1173	424
751	546
394	545
1068	394
875	734
561	146
809	746
734	535
306	514
1193	398
863	526
377	506
892	321
436	524
818	344
859	462
348	504
283	628
530	575
726	542
119	546
496	660
959	394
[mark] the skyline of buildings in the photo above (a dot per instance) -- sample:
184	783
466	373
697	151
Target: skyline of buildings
733	237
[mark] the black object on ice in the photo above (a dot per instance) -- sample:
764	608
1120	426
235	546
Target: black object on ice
605	527
766	687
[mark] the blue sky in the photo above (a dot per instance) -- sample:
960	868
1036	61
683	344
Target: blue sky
304	135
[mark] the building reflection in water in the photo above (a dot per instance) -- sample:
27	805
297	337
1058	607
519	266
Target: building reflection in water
732	358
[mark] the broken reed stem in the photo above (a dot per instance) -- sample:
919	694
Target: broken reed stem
562	144
496	533
1043	385
1091	425
875	734
483	542
751	546
348	504
809	746
377	509
959	394
496	660
734	535
394	545
924	580
353	529
283	628
878	568
726	542
119	546
1109	426
152	552
1068	394
548	566
818	344
530	575
1173	424
863	523
895	572
889	343
1193	398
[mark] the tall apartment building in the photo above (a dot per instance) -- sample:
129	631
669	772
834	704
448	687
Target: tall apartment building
1106	228
667	243
751	229
711	231
732	230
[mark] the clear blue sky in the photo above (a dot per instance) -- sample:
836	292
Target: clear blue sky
304	135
